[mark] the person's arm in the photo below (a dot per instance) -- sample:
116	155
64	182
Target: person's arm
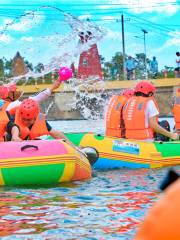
157	128
46	93
59	135
15	134
55	85
13	105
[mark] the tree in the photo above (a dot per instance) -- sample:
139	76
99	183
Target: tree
140	65
39	68
28	65
102	59
8	64
107	70
1	68
114	68
117	62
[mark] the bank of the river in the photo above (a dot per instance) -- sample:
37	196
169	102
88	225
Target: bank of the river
66	104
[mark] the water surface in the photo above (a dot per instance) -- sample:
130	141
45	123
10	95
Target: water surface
108	206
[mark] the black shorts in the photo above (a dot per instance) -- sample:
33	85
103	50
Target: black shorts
177	69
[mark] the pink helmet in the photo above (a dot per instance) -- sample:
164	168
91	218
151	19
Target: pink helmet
29	109
12	87
145	87
128	93
4	91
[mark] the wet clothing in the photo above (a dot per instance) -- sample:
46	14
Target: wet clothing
4	119
136	114
114	121
36	130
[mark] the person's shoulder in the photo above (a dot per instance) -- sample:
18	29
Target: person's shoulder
151	109
151	103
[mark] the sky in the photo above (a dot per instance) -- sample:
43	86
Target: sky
39	32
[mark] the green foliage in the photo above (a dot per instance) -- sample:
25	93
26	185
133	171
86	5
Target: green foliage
39	68
8	64
6	67
1	68
28	65
113	69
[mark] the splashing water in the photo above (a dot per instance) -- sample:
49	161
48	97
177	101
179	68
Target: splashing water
60	47
90	97
57	48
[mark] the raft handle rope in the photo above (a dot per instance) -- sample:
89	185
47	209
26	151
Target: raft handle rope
29	146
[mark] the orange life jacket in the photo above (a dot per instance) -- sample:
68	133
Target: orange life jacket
4	119
135	119
176	111
38	129
114	121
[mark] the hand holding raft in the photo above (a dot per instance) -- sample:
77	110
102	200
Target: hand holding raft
65	74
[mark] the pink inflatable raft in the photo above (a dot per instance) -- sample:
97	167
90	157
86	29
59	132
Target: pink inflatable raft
41	162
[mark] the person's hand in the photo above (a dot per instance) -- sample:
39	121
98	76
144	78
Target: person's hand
16	139
55	85
174	136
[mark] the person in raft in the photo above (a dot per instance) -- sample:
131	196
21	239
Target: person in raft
30	124
114	120
8	103
11	95
140	115
176	110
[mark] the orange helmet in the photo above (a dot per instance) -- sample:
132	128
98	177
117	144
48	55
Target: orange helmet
29	109
145	87
128	93
4	91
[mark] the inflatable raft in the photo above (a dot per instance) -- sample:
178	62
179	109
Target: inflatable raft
41	162
117	153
